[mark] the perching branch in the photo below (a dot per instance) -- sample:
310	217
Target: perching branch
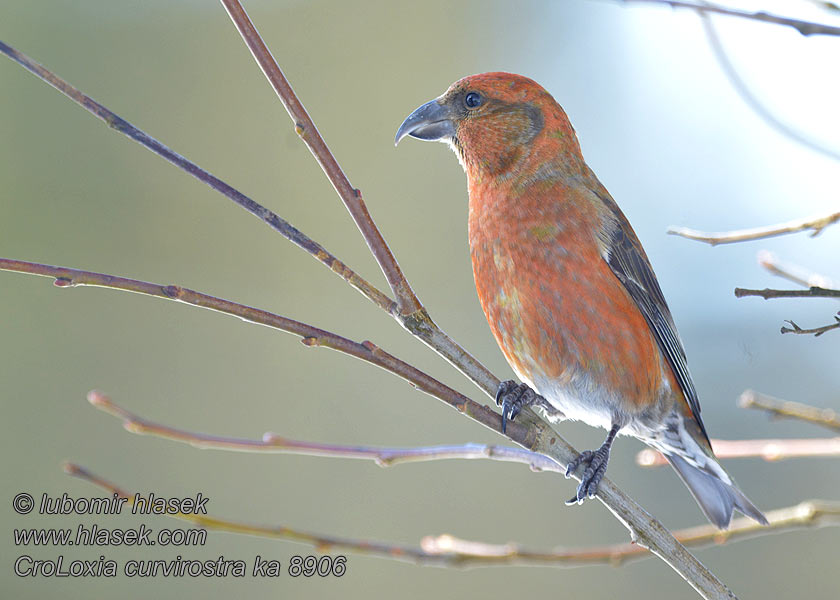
273	443
825	417
767	293
806	28
814	224
531	434
448	551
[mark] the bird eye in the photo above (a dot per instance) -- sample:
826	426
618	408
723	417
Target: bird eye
473	100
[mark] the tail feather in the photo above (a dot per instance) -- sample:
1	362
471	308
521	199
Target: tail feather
716	497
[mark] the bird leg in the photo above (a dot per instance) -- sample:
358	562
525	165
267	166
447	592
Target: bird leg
596	462
512	396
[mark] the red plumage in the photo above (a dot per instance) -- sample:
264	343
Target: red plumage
567	289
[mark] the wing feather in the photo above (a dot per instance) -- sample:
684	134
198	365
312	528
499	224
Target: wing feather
628	261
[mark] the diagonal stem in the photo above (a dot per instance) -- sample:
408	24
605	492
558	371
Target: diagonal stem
305	127
806	28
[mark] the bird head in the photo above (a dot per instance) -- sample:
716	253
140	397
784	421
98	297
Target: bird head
497	123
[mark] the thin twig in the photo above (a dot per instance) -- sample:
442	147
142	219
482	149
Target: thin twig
767	293
532	434
304	126
769	450
816	331
449	551
804	27
273	443
752	100
792	272
814	224
825	417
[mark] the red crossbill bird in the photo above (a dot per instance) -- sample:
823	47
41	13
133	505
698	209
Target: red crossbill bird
567	288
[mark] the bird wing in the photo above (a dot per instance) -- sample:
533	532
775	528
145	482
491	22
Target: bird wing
628	261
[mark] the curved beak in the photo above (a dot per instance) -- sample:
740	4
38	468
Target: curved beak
431	122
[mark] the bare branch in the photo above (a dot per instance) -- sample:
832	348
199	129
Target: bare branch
352	197
767	293
814	224
791	410
527	431
806	28
273	443
817	331
449	551
793	272
769	450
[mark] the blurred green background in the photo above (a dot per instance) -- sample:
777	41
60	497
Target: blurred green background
658	123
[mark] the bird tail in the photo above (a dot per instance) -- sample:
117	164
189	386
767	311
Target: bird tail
715	496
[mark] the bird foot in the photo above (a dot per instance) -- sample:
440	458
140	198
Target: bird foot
596	465
512	396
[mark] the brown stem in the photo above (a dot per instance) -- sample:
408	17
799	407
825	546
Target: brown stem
449	551
806	28
767	293
816	331
273	443
352	197
825	417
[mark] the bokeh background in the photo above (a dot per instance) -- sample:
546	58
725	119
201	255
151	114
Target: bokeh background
659	124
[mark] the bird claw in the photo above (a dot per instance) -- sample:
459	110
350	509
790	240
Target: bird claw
512	396
596	462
